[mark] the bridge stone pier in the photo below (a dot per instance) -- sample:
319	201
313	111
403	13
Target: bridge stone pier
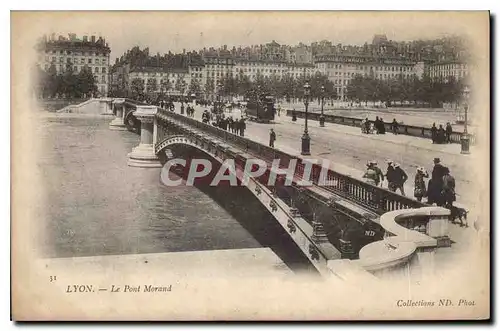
330	219
106	105
144	155
119	109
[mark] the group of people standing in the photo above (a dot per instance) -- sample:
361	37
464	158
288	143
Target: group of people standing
378	126
441	135
189	110
395	176
234	125
440	189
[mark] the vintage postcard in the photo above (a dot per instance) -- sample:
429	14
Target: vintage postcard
178	166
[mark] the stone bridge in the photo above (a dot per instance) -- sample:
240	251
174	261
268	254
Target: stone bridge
329	220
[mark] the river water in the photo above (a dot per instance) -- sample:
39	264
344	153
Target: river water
97	205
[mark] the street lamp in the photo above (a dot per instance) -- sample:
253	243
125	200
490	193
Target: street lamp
219	92
465	138
322	117
306	141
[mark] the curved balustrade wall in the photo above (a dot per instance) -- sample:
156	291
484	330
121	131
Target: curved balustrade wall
400	248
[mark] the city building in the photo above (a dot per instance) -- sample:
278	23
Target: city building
300	54
382	59
341	69
444	70
170	81
217	67
73	53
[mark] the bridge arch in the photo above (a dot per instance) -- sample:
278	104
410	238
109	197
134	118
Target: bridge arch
180	139
263	198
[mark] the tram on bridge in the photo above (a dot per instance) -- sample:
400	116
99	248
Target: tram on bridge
260	108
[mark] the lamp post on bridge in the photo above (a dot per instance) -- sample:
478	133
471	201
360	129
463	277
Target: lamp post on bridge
306	140
465	138
219	102
322	117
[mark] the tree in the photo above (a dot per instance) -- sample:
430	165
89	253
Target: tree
288	83
137	87
209	87
356	89
69	85
165	86
194	87
243	84
86	82
180	85
151	86
229	85
52	82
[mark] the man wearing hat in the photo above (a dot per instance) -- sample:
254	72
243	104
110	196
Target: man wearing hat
272	137
370	174
436	183
390	176
378	172
400	178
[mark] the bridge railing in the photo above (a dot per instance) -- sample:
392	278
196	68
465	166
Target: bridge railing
409	130
374	198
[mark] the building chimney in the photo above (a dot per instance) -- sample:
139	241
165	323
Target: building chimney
85	38
93	39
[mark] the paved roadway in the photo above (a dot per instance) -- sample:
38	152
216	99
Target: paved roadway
417	117
349	150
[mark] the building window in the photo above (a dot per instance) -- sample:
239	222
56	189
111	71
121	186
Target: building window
96	69
90	60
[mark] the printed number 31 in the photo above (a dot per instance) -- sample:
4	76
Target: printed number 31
53	278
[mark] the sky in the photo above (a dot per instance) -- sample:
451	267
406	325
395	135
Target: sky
174	31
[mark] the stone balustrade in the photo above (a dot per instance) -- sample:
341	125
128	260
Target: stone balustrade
119	109
409	130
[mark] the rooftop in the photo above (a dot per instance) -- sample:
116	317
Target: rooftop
159	69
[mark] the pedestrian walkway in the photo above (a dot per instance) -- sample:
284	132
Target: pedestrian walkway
288	140
421	143
410	116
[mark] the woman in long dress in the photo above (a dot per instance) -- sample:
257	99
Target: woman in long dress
420	190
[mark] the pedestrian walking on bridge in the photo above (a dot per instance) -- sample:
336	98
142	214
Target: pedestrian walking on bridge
390	175
370	174
272	138
434	132
242	126
420	189
448	132
394	126
448	192
380	175
400	179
